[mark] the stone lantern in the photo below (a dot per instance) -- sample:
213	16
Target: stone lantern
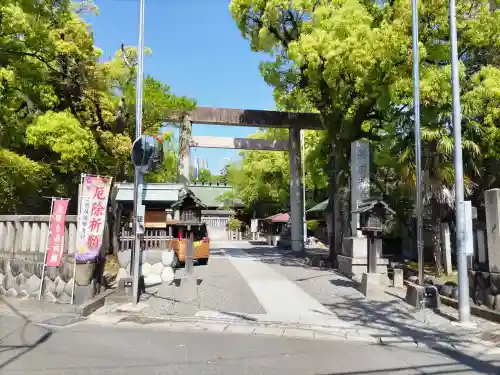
373	217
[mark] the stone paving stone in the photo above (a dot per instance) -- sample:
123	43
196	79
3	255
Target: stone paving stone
185	326
330	335
298	333
213	327
263	330
237	328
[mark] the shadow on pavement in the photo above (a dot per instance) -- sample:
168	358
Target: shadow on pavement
241	316
384	322
309	258
384	319
19	336
485	367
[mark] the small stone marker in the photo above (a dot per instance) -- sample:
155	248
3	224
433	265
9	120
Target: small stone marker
397	281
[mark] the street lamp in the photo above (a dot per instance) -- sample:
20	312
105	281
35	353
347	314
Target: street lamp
463	283
418	157
138	178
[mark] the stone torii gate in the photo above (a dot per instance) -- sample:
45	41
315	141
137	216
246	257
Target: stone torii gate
253	118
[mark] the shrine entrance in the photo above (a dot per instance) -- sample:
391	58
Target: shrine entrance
295	122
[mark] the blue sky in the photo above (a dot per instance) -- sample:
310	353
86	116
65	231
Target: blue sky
198	51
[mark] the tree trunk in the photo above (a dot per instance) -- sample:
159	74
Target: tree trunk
332	207
336	207
436	236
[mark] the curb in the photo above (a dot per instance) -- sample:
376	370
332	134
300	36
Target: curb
286	330
95	303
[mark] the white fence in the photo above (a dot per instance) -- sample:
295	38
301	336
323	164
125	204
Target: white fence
154	239
216	227
28	233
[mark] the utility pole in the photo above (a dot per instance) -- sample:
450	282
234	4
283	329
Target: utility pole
463	283
303	157
418	156
138	177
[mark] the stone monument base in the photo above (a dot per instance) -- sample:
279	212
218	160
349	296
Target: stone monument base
370	285
353	261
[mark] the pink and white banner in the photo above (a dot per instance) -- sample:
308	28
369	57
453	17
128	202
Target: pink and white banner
56	235
92	216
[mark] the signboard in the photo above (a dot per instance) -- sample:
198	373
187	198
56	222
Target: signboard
254	225
92	216
141	213
56	234
469	233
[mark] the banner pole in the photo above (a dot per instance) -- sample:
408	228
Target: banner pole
46	248
74	282
79	208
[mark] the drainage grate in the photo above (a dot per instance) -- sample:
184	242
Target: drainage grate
62	320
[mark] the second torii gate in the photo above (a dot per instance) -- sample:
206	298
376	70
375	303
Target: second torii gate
253	118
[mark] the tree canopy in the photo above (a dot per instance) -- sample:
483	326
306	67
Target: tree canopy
64	110
262	178
351	62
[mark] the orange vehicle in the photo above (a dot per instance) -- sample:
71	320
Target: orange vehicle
180	233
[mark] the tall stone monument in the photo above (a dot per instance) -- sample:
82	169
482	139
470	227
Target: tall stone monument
354	258
360	180
492	208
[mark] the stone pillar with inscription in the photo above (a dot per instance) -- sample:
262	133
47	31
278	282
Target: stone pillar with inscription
360	180
492	209
354	258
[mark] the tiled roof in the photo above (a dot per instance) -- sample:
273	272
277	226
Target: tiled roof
320	207
169	193
150	192
208	194
279	218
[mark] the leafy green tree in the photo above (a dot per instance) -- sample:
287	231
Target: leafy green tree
204	176
168	171
63	112
262	178
350	61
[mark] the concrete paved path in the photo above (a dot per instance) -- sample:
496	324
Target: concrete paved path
281	299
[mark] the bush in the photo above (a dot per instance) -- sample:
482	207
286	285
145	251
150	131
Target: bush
312	225
234	224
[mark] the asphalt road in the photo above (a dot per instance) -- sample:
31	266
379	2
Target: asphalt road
91	349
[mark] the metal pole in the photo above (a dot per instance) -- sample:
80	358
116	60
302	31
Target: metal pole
302	142
46	248
138	174
418	157
463	283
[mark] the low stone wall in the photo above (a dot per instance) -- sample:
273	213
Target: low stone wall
21	272
485	289
156	265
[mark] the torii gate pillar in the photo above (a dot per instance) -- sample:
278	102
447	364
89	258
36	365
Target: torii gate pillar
296	204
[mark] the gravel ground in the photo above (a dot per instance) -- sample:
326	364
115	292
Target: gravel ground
221	289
